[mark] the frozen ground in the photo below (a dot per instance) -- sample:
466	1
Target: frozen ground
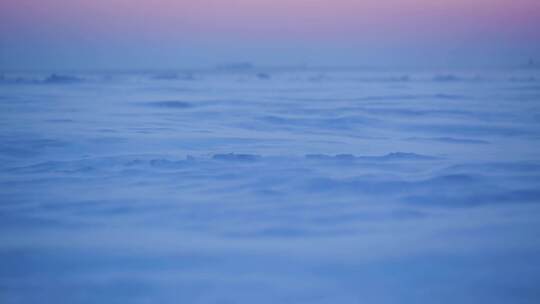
270	186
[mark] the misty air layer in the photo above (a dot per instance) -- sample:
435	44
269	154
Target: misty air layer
269	151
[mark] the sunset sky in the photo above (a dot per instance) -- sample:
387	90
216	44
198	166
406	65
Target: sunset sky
193	33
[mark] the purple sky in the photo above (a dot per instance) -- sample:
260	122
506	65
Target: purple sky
183	33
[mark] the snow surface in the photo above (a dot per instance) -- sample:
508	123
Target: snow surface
270	186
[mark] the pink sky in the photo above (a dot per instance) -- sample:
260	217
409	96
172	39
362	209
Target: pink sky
170	23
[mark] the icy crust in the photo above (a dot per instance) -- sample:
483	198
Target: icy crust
406	179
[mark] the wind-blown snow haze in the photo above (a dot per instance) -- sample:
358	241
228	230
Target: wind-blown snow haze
269	151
